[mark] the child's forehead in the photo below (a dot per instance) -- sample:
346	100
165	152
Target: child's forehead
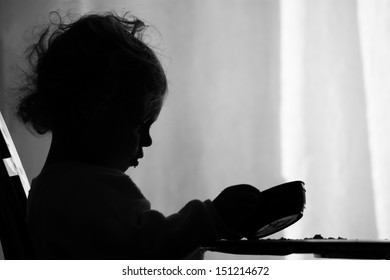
143	108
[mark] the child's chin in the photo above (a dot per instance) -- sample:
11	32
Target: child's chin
134	163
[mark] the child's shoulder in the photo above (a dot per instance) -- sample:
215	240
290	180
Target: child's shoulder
79	170
72	176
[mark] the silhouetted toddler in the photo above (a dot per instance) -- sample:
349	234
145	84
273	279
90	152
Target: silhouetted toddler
97	88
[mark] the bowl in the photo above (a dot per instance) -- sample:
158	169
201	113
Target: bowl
282	206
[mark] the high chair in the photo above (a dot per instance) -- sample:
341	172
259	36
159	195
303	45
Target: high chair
14	187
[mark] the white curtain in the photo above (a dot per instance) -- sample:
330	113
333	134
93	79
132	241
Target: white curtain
335	121
261	92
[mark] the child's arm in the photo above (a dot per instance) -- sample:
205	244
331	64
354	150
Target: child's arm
107	217
178	235
233	214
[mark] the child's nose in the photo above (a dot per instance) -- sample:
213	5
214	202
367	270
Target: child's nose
146	139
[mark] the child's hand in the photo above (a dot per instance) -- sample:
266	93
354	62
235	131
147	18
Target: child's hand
239	207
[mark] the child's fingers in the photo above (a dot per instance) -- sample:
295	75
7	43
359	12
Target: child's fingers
242	194
243	188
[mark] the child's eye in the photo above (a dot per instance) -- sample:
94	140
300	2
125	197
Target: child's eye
143	124
137	125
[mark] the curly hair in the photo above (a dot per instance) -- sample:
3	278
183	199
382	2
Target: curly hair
83	70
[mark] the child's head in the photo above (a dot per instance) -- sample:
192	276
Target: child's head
94	73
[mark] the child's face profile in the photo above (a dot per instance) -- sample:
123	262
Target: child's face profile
119	140
135	137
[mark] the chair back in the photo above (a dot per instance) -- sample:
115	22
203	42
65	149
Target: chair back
14	187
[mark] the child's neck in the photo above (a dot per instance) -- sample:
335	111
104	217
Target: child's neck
61	149
65	147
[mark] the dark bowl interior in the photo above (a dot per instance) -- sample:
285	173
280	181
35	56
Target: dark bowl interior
283	205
